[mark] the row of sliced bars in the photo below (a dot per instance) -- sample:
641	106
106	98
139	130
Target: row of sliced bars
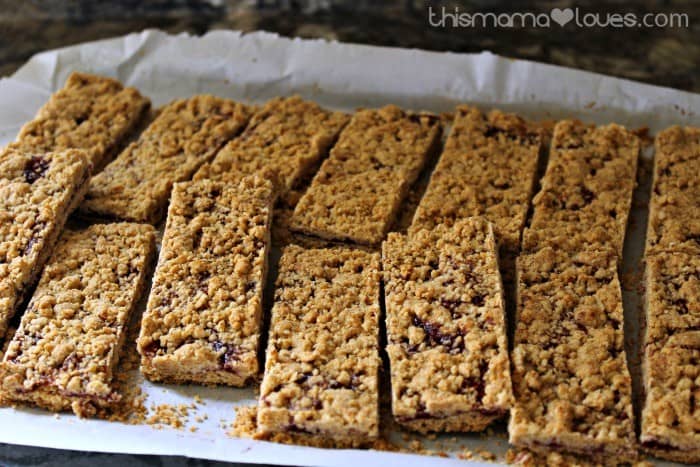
183	136
63	354
446	337
443	291
583	206
295	387
46	172
571	383
670	426
213	351
322	364
181	131
444	296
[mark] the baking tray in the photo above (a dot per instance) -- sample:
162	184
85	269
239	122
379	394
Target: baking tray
257	66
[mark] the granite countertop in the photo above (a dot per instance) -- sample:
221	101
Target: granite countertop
661	56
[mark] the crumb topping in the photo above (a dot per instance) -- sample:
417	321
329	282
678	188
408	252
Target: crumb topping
288	136
487	168
589	180
69	339
358	190
321	373
570	377
185	134
674	220
90	112
446	327
205	309
37	192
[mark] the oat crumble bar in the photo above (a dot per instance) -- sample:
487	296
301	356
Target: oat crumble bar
588	183
92	113
671	416
359	188
488	168
203	320
37	194
67	346
288	136
445	319
321	372
674	209
570	379
185	134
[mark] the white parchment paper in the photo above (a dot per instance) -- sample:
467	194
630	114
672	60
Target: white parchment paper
255	67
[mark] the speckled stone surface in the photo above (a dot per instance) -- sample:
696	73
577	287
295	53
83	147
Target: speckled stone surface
662	56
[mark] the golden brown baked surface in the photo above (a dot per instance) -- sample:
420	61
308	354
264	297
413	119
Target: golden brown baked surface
203	320
93	113
321	371
671	417
359	188
488	168
588	185
570	379
65	350
288	136
445	319
674	213
185	134
38	191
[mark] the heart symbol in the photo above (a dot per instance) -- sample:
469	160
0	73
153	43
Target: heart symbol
562	16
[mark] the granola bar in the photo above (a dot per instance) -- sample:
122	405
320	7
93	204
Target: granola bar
184	135
588	184
488	168
674	217
37	194
288	136
283	235
446	328
204	313
66	348
321	372
671	417
570	379
92	113
359	188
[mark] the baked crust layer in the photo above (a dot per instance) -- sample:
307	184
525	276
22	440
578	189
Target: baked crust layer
322	366
674	217
185	134
588	185
37	194
670	418
487	168
93	113
288	136
66	348
358	190
203	319
446	328
573	391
